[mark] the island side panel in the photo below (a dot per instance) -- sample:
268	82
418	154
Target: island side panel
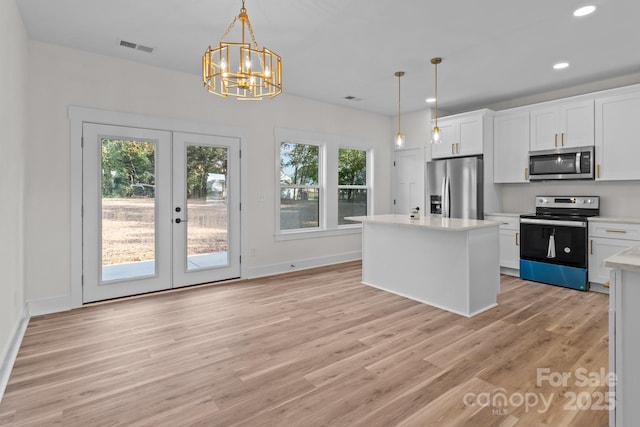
427	265
484	269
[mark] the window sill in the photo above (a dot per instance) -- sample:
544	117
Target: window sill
315	233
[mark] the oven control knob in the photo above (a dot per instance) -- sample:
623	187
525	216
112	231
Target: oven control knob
541	200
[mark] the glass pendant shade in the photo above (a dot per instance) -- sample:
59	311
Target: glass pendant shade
435	135
399	140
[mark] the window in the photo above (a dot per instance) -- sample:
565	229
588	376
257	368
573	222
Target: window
299	186
352	184
320	179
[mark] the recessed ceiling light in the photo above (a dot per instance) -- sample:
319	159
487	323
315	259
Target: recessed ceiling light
560	65
584	10
431	100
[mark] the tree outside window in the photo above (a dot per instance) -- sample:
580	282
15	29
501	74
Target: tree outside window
299	186
352	184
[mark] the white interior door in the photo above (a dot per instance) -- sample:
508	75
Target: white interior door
409	181
157	214
206	208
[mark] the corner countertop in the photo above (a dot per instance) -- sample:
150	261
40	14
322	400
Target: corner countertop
628	259
627	220
434	222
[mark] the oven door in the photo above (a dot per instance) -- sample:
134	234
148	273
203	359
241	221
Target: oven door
554	242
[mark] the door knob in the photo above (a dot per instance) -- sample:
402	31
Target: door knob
178	209
178	220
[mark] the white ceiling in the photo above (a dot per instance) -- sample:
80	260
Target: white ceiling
492	50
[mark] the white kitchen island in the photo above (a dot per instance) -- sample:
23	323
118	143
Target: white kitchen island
624	344
449	263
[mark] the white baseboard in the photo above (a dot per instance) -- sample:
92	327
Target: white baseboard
8	357
50	305
598	287
510	271
287	267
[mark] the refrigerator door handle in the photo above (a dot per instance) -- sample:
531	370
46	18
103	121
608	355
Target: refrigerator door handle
443	202
446	195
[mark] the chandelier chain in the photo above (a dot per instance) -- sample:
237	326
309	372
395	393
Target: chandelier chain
226	33
253	37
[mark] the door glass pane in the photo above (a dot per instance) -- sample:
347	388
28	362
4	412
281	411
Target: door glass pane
128	243
207	207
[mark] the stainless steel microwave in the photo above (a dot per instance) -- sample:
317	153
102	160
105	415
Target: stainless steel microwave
562	163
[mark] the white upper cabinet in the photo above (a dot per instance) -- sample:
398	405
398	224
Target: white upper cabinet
462	135
447	148
511	147
617	133
561	124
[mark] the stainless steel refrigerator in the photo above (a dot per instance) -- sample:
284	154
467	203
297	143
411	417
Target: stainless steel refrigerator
454	187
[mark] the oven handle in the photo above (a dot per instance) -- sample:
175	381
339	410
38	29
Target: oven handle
577	224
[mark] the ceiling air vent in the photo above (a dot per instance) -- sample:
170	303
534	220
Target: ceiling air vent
136	46
145	48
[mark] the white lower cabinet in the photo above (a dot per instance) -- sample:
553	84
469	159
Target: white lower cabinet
606	239
509	237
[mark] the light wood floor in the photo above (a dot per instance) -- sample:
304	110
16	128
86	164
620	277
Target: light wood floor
308	349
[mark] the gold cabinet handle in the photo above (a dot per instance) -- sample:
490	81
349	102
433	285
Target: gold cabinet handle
457	148
591	247
555	141
453	149
517	243
563	139
606	285
616	231
505	223
526	173
598	170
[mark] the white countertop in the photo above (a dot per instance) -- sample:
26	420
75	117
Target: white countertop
429	221
628	259
627	220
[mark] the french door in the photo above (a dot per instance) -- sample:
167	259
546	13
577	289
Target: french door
160	210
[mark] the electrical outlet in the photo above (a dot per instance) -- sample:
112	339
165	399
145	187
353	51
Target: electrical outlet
261	197
252	252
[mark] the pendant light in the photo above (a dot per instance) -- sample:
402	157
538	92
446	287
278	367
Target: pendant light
399	143
436	137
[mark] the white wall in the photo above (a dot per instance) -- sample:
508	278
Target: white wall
60	77
13	116
617	199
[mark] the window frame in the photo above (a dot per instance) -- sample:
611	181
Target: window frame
327	180
353	187
317	186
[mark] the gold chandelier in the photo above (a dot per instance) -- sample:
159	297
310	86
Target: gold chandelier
240	70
